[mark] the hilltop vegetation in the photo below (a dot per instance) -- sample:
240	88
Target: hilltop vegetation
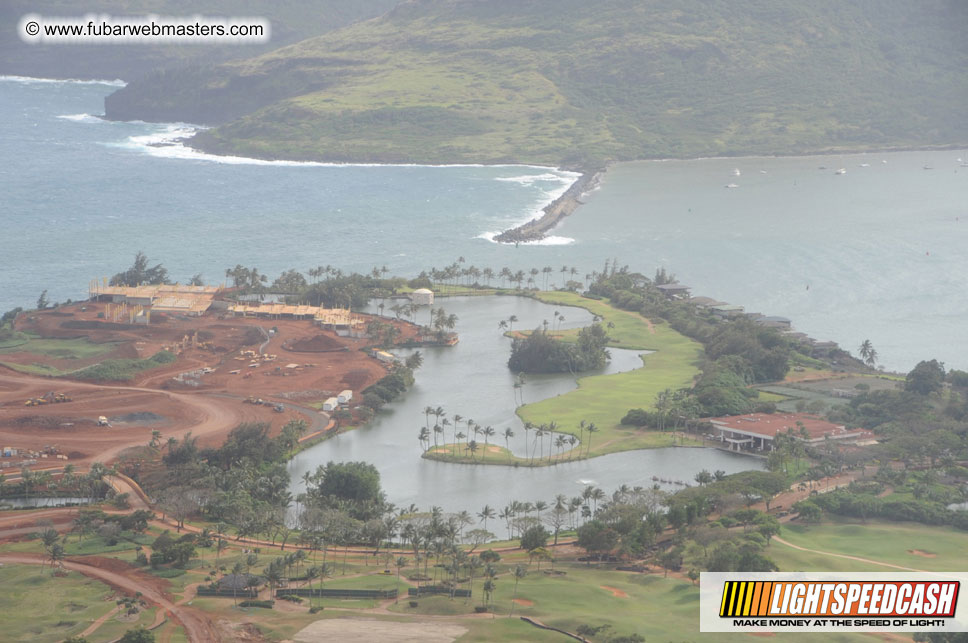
576	83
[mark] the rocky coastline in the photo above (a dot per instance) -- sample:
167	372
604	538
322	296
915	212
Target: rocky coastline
537	228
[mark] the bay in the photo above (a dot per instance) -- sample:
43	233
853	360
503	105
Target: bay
876	253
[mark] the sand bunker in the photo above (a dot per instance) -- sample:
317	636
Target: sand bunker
352	630
617	593
924	554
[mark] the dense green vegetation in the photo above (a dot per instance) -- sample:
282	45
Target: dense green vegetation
539	352
123	369
140	273
577	83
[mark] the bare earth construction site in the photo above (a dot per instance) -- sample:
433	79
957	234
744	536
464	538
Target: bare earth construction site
59	397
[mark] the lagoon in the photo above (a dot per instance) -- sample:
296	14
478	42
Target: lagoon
472	379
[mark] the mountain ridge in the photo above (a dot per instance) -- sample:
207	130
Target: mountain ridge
570	84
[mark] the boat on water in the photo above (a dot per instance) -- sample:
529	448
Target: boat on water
842	170
731	185
864	165
736	172
928	167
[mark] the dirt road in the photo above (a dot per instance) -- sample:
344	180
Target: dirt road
198	627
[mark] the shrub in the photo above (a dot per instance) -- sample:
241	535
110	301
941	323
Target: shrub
257	603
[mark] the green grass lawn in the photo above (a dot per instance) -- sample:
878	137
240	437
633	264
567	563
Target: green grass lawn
33	369
881	541
37	607
604	399
78	348
660	609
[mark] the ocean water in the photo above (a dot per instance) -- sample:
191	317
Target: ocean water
875	253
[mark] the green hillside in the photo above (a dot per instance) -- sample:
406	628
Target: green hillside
575	83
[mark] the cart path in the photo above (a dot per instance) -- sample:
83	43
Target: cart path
845	556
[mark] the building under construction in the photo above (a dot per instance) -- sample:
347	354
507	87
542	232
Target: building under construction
339	319
134	304
137	302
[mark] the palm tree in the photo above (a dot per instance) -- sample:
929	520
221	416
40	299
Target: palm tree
56	554
401	562
220	542
511	320
519	573
552	429
464	519
591	428
273	574
489	586
488	432
539	434
457	420
527	427
508	434
486	512
597	495
473	563
560	443
236	572
865	351
438	413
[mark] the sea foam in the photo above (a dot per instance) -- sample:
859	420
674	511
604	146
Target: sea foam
82	118
30	80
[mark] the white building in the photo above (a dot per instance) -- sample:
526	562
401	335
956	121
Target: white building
345	396
422	297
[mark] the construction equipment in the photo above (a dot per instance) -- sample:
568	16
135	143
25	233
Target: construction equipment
48	398
278	408
103	421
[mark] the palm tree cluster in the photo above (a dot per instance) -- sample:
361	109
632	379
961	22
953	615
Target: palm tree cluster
459	274
474	437
89	485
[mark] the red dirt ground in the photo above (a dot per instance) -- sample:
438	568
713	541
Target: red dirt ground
209	410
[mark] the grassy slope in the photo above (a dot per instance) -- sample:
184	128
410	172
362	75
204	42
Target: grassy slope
881	541
568	82
37	607
79	348
604	399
